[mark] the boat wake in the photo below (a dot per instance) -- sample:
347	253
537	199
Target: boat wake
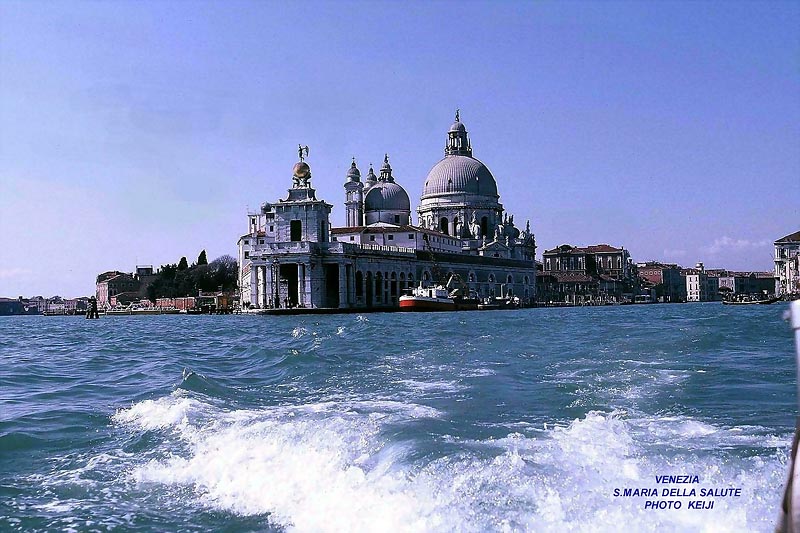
337	466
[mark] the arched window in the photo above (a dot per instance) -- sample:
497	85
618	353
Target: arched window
527	281
510	279
491	278
472	277
484	226
456	227
443	226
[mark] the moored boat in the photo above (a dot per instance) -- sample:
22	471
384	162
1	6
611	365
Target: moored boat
491	304
765	301
142	310
433	298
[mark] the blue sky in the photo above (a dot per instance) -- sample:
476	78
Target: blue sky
138	132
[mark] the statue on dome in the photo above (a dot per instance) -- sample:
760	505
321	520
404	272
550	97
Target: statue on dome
302	151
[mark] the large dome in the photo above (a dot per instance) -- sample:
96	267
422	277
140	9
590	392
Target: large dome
387	196
459	174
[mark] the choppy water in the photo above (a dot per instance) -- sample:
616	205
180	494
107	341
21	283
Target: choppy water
473	421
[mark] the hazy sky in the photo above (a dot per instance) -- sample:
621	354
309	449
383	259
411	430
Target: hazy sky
138	132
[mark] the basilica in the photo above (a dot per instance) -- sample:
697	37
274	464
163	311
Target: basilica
292	257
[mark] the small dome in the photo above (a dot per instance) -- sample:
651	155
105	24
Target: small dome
457	127
301	169
371	177
460	174
387	196
353	174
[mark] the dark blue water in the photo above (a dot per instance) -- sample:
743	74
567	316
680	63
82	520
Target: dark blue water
473	421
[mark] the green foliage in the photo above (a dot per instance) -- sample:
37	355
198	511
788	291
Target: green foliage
178	280
201	259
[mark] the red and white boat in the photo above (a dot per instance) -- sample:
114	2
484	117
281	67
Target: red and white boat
427	299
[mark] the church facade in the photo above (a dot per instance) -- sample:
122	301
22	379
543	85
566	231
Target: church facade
292	257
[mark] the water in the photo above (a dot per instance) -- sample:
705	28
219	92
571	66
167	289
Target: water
472	421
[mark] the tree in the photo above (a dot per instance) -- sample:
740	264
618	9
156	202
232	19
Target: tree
201	259
183	280
225	272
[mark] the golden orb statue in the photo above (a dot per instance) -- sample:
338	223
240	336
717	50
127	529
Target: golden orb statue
301	170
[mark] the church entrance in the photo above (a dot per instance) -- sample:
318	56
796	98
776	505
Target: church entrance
288	285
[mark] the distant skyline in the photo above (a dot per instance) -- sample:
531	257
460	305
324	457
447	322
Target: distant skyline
142	132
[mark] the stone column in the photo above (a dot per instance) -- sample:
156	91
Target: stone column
269	286
344	294
301	285
260	287
310	299
253	285
262	294
350	272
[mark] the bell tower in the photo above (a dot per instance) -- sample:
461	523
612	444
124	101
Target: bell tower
354	197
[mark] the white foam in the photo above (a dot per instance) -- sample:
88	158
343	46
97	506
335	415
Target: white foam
157	414
307	471
60	506
432	386
331	466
